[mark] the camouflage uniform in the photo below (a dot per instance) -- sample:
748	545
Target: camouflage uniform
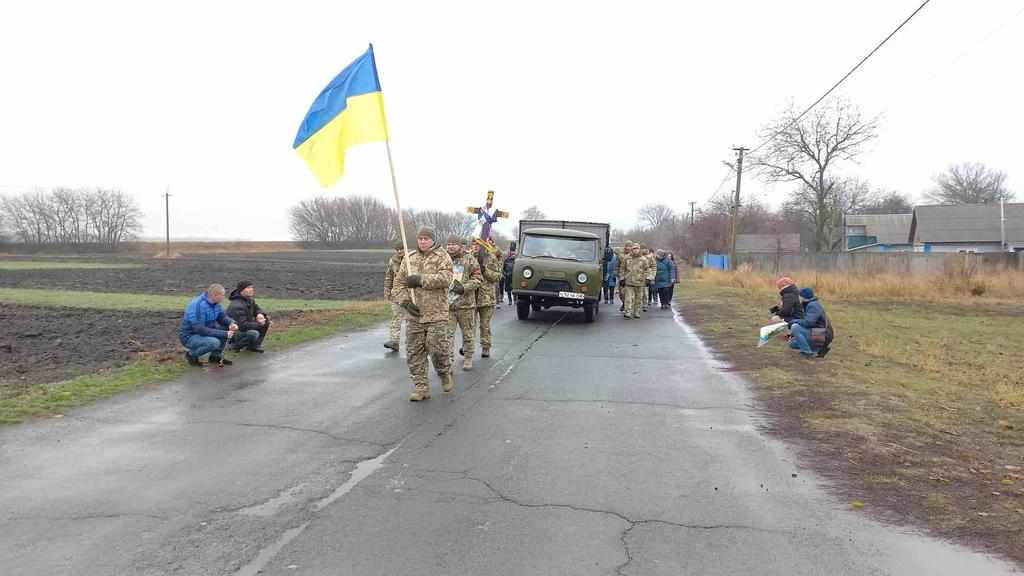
398	313
427	334
487	297
634	276
652	270
462	312
620	257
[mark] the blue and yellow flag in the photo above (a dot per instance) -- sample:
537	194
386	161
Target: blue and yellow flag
350	110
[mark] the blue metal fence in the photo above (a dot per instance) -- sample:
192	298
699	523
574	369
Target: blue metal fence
716	261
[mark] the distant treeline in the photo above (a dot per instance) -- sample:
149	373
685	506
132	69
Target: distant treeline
366	222
86	220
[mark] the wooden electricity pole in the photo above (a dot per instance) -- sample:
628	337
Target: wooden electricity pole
736	206
167	217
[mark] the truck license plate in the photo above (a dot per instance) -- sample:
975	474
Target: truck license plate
571	295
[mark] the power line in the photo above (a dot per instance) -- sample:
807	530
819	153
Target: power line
841	80
949	64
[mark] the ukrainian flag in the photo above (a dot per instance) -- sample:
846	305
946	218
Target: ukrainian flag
350	110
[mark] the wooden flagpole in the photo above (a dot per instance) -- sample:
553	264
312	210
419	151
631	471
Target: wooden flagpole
401	218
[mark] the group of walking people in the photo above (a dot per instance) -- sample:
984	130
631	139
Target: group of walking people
643	277
436	291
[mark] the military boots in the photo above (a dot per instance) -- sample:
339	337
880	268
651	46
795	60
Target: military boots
447	383
420	393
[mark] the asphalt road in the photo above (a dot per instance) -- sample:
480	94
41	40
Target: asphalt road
618	447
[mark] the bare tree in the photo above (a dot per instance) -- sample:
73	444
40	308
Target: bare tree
807	150
72	216
655	215
822	219
889	202
969	183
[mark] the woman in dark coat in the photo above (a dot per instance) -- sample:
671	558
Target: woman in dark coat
789	307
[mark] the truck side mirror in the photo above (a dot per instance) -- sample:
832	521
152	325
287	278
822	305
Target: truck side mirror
608	254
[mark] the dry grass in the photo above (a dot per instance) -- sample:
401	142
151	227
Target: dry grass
958	283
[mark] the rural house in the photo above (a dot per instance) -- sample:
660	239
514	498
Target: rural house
967	228
877	232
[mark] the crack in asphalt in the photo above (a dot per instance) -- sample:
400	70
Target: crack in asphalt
291	428
631	523
90	517
623	402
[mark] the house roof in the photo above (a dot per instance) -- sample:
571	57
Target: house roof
767	242
966	223
886	228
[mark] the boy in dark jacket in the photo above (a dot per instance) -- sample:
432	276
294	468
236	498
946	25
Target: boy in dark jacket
253	322
814	317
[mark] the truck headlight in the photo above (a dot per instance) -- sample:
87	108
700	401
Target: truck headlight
581	278
527	273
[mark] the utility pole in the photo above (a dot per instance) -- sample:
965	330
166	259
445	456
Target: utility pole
167	217
691	212
1002	225
736	206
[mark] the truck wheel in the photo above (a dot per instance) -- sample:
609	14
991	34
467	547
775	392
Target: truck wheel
523	309
589	311
536	307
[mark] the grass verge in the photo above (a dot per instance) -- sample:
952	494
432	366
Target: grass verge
122	301
918	411
32	265
18	402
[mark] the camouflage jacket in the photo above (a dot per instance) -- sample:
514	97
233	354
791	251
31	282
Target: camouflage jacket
466	270
634	270
434	267
395	269
487	294
652	265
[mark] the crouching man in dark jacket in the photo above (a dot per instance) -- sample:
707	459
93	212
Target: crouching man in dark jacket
812	333
205	328
789	307
253	322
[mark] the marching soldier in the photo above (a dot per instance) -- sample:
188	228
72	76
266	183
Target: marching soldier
618	274
462	312
652	270
430	275
487	295
633	279
398	313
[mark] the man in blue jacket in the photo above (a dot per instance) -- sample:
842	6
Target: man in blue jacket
802	328
203	326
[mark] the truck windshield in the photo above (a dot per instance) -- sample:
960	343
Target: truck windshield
578	249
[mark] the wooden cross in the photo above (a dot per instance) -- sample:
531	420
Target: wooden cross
485	218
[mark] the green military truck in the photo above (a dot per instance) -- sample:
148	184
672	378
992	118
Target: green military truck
560	263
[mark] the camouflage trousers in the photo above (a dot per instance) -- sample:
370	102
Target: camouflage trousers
634	300
483	318
398	314
425	341
465	318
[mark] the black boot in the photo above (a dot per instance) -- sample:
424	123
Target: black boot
823	352
192	360
220	361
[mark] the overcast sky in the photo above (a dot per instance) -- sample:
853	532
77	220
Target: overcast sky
587	109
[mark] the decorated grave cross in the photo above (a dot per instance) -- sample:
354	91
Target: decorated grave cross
485	219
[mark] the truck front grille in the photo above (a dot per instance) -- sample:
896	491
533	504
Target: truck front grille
548	285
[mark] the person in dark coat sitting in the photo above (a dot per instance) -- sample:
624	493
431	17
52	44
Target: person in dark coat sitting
804	328
789	307
253	322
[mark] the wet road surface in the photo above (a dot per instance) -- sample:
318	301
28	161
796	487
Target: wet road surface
618	447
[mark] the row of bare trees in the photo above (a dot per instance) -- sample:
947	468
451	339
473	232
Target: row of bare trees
364	221
68	216
814	152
